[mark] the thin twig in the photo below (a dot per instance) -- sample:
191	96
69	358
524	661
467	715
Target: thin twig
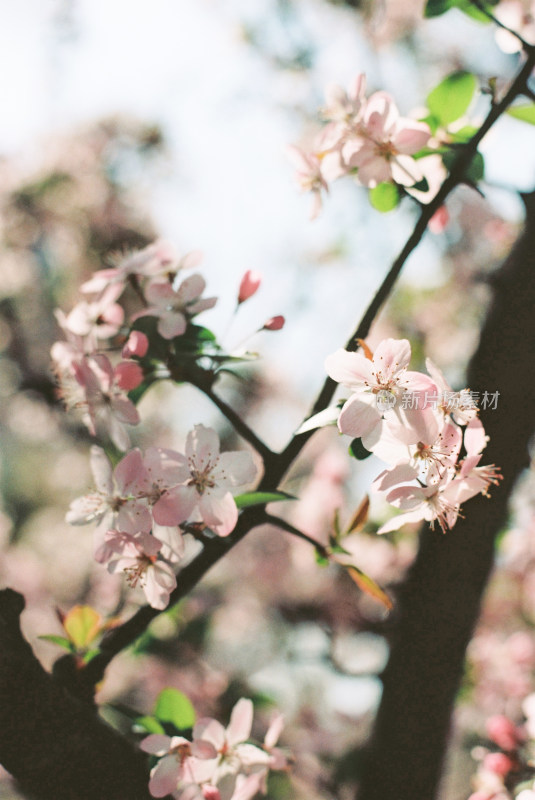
484	10
286	526
239	425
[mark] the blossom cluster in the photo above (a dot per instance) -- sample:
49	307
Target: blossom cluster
507	772
86	377
219	763
421	442
364	137
140	505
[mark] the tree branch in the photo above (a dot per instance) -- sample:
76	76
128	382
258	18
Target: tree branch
277	464
54	745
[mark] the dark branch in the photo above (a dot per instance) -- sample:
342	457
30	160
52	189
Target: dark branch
53	744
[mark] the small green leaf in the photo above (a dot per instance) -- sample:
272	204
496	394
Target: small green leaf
384	197
61	641
434	8
475	170
200	333
525	112
421	186
148	725
173	706
358	451
473	11
450	99
321	559
261	498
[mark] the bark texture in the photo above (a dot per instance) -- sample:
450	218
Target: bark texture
54	745
440	601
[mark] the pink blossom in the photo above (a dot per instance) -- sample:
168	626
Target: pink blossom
116	501
346	108
206	477
101	318
181	762
137	345
174	308
387	142
103	402
309	176
249	285
439	502
378	385
274	324
137	557
157	259
459	405
430	459
234	753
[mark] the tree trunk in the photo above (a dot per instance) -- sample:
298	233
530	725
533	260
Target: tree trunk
440	601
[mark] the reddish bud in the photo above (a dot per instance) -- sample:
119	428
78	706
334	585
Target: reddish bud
439	221
503	732
211	792
249	285
274	324
128	375
498	763
137	345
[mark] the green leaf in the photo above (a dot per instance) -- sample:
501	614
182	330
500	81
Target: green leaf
434	8
450	99
421	186
358	451
526	112
261	498
475	170
384	197
59	640
321	559
473	11
148	725
173	706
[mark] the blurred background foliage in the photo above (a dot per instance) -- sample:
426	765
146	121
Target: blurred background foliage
267	622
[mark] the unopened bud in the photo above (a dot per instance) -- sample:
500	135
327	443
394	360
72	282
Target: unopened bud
137	345
128	375
503	732
274	324
249	285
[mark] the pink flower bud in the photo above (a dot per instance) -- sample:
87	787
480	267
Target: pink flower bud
503	732
498	763
128	375
211	792
249	285
274	324
439	221
137	345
